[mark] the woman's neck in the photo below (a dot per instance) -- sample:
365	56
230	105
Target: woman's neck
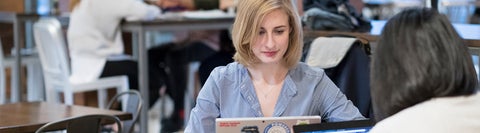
269	73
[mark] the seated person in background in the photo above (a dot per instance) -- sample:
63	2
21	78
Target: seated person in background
475	18
95	43
422	77
170	5
223	4
267	79
207	4
173	59
221	58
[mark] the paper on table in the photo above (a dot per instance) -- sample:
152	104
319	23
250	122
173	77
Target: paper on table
207	14
170	15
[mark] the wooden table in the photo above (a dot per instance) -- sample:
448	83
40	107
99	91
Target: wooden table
27	117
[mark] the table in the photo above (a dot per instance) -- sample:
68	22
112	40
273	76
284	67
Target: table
140	29
29	116
469	32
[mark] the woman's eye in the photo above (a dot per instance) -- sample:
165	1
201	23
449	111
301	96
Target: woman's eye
261	32
279	31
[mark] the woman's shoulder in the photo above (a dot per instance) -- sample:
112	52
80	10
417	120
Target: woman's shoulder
304	70
230	70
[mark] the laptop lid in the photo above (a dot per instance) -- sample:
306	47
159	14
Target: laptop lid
357	126
263	124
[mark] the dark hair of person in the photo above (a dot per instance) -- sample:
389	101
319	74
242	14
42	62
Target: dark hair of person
419	56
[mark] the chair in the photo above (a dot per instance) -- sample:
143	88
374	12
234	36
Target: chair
192	87
2	77
81	124
348	66
132	103
380	9
458	11
34	79
35	90
52	50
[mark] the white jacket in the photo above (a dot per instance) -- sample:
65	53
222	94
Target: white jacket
439	115
94	34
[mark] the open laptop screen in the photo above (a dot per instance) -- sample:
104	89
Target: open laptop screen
358	126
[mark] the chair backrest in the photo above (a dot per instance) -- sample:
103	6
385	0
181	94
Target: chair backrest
81	124
351	73
458	11
3	91
51	47
134	103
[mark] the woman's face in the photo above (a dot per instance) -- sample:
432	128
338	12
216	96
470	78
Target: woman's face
272	39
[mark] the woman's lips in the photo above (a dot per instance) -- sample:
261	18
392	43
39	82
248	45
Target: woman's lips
270	53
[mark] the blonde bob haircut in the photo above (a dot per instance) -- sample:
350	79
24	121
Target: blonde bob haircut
250	14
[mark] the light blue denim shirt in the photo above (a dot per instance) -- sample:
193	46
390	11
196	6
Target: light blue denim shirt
306	91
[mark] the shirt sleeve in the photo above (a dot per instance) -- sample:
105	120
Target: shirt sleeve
203	115
138	10
335	105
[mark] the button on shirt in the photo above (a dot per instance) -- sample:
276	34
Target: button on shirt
229	92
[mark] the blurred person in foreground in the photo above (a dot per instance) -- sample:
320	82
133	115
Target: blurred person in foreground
422	77
267	79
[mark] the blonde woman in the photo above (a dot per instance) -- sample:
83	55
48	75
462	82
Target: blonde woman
266	79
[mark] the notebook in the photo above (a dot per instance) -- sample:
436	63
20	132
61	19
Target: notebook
263	124
357	126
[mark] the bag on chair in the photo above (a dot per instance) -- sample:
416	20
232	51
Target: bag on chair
346	62
333	15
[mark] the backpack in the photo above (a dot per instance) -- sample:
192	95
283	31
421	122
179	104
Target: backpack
333	15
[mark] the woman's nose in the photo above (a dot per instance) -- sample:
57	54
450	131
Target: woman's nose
270	41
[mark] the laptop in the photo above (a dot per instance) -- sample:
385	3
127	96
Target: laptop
263	124
357	126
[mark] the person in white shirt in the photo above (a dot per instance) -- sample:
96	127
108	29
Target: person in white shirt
95	43
422	77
